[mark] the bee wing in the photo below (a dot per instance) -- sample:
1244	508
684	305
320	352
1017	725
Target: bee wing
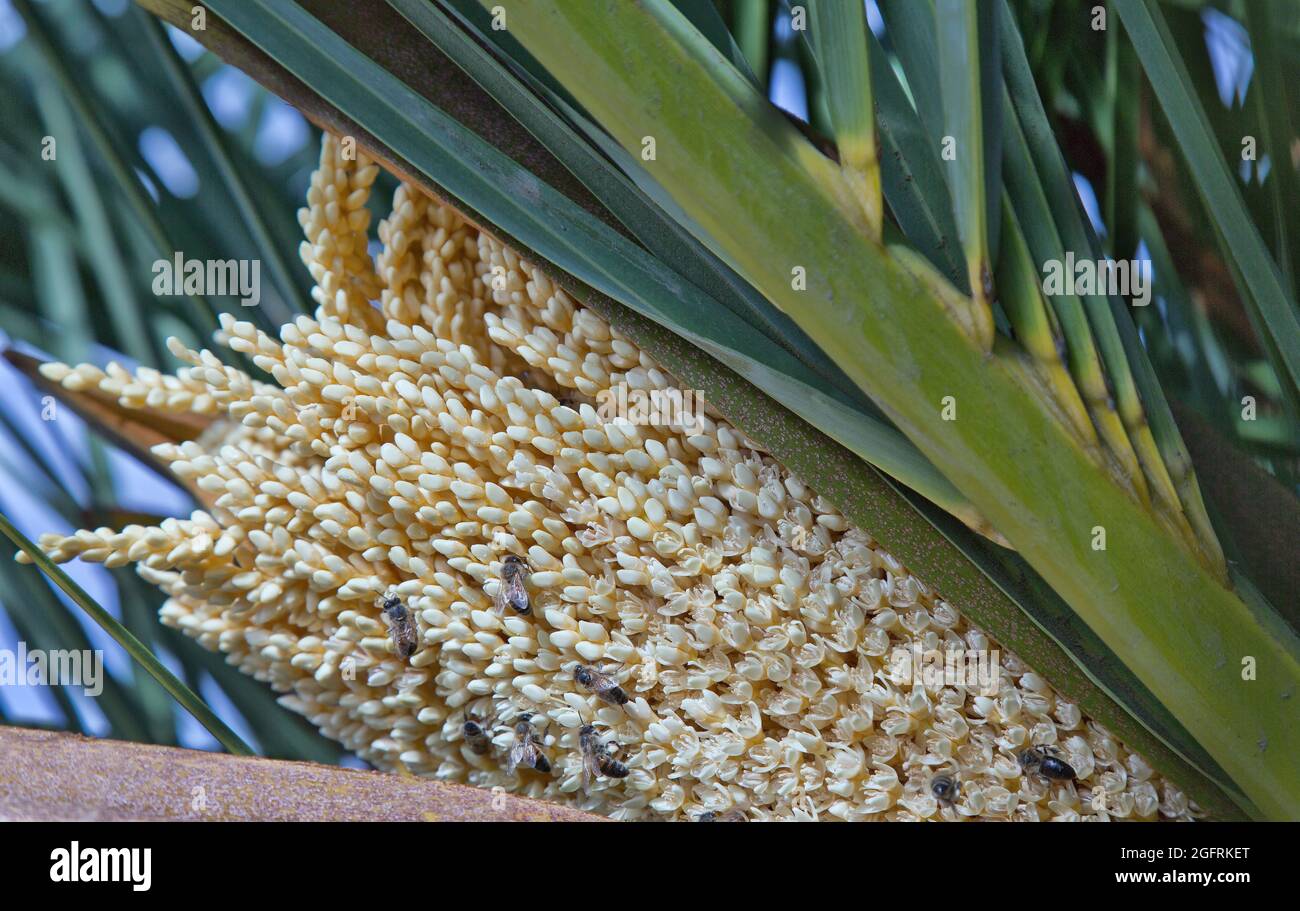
590	769
500	597
518	754
517	595
394	637
403	639
525	752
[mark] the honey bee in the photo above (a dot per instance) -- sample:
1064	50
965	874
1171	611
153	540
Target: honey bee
511	591
401	627
597	758
732	815
1046	761
945	789
601	684
476	736
526	750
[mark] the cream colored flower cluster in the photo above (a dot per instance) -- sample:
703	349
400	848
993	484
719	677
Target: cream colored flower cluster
410	448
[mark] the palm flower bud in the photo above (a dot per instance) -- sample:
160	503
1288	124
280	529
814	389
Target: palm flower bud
406	450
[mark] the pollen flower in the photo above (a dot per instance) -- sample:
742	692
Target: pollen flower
439	413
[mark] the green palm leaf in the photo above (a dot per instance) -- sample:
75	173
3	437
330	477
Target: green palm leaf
1272	310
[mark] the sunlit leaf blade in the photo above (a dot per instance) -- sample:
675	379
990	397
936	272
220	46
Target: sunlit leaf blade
1149	434
706	18
752	28
967	44
910	27
1022	300
1125	89
913	178
839	35
1046	245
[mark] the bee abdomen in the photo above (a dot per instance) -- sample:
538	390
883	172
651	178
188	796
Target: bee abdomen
1050	767
614	769
1057	769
